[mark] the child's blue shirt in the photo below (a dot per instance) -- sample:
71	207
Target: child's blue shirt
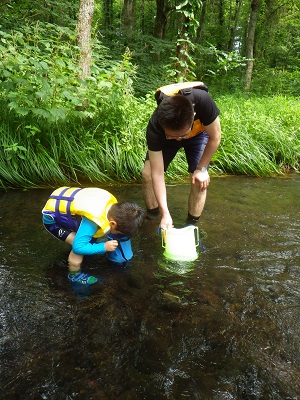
83	239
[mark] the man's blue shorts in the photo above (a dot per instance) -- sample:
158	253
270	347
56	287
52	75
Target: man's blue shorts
193	148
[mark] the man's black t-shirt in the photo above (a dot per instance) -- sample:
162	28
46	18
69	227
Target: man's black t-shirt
206	112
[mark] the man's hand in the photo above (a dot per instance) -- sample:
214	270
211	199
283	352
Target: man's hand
111	245
201	179
166	221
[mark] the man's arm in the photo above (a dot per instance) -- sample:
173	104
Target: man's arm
199	178
159	187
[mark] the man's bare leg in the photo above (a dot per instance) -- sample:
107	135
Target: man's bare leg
196	203
148	193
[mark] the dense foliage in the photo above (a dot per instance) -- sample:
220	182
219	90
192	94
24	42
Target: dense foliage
57	128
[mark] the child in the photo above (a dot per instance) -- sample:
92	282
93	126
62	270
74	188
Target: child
78	216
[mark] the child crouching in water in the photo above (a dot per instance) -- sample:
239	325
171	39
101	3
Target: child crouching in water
79	216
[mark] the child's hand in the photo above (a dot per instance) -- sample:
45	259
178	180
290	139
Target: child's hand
111	245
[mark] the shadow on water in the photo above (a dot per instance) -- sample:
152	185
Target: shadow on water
225	326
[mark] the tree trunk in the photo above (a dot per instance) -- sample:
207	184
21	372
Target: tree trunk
221	19
201	21
108	14
129	15
161	19
250	42
84	24
142	8
182	50
234	25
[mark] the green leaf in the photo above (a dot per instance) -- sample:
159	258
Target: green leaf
41	112
58	113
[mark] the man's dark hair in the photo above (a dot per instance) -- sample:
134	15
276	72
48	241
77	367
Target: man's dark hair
128	216
175	112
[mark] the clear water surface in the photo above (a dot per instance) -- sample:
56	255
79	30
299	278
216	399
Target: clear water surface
225	326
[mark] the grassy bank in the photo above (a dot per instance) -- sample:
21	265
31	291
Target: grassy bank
261	137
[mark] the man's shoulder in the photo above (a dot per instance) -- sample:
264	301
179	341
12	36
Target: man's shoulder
205	107
201	95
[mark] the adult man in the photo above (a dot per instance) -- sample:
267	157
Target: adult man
182	120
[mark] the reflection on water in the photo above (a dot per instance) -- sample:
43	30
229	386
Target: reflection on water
225	326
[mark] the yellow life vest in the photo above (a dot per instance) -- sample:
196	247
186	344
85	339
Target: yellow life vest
92	203
184	88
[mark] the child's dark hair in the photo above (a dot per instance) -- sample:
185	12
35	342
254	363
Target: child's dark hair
128	216
175	112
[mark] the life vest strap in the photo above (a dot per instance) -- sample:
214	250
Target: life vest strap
60	197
